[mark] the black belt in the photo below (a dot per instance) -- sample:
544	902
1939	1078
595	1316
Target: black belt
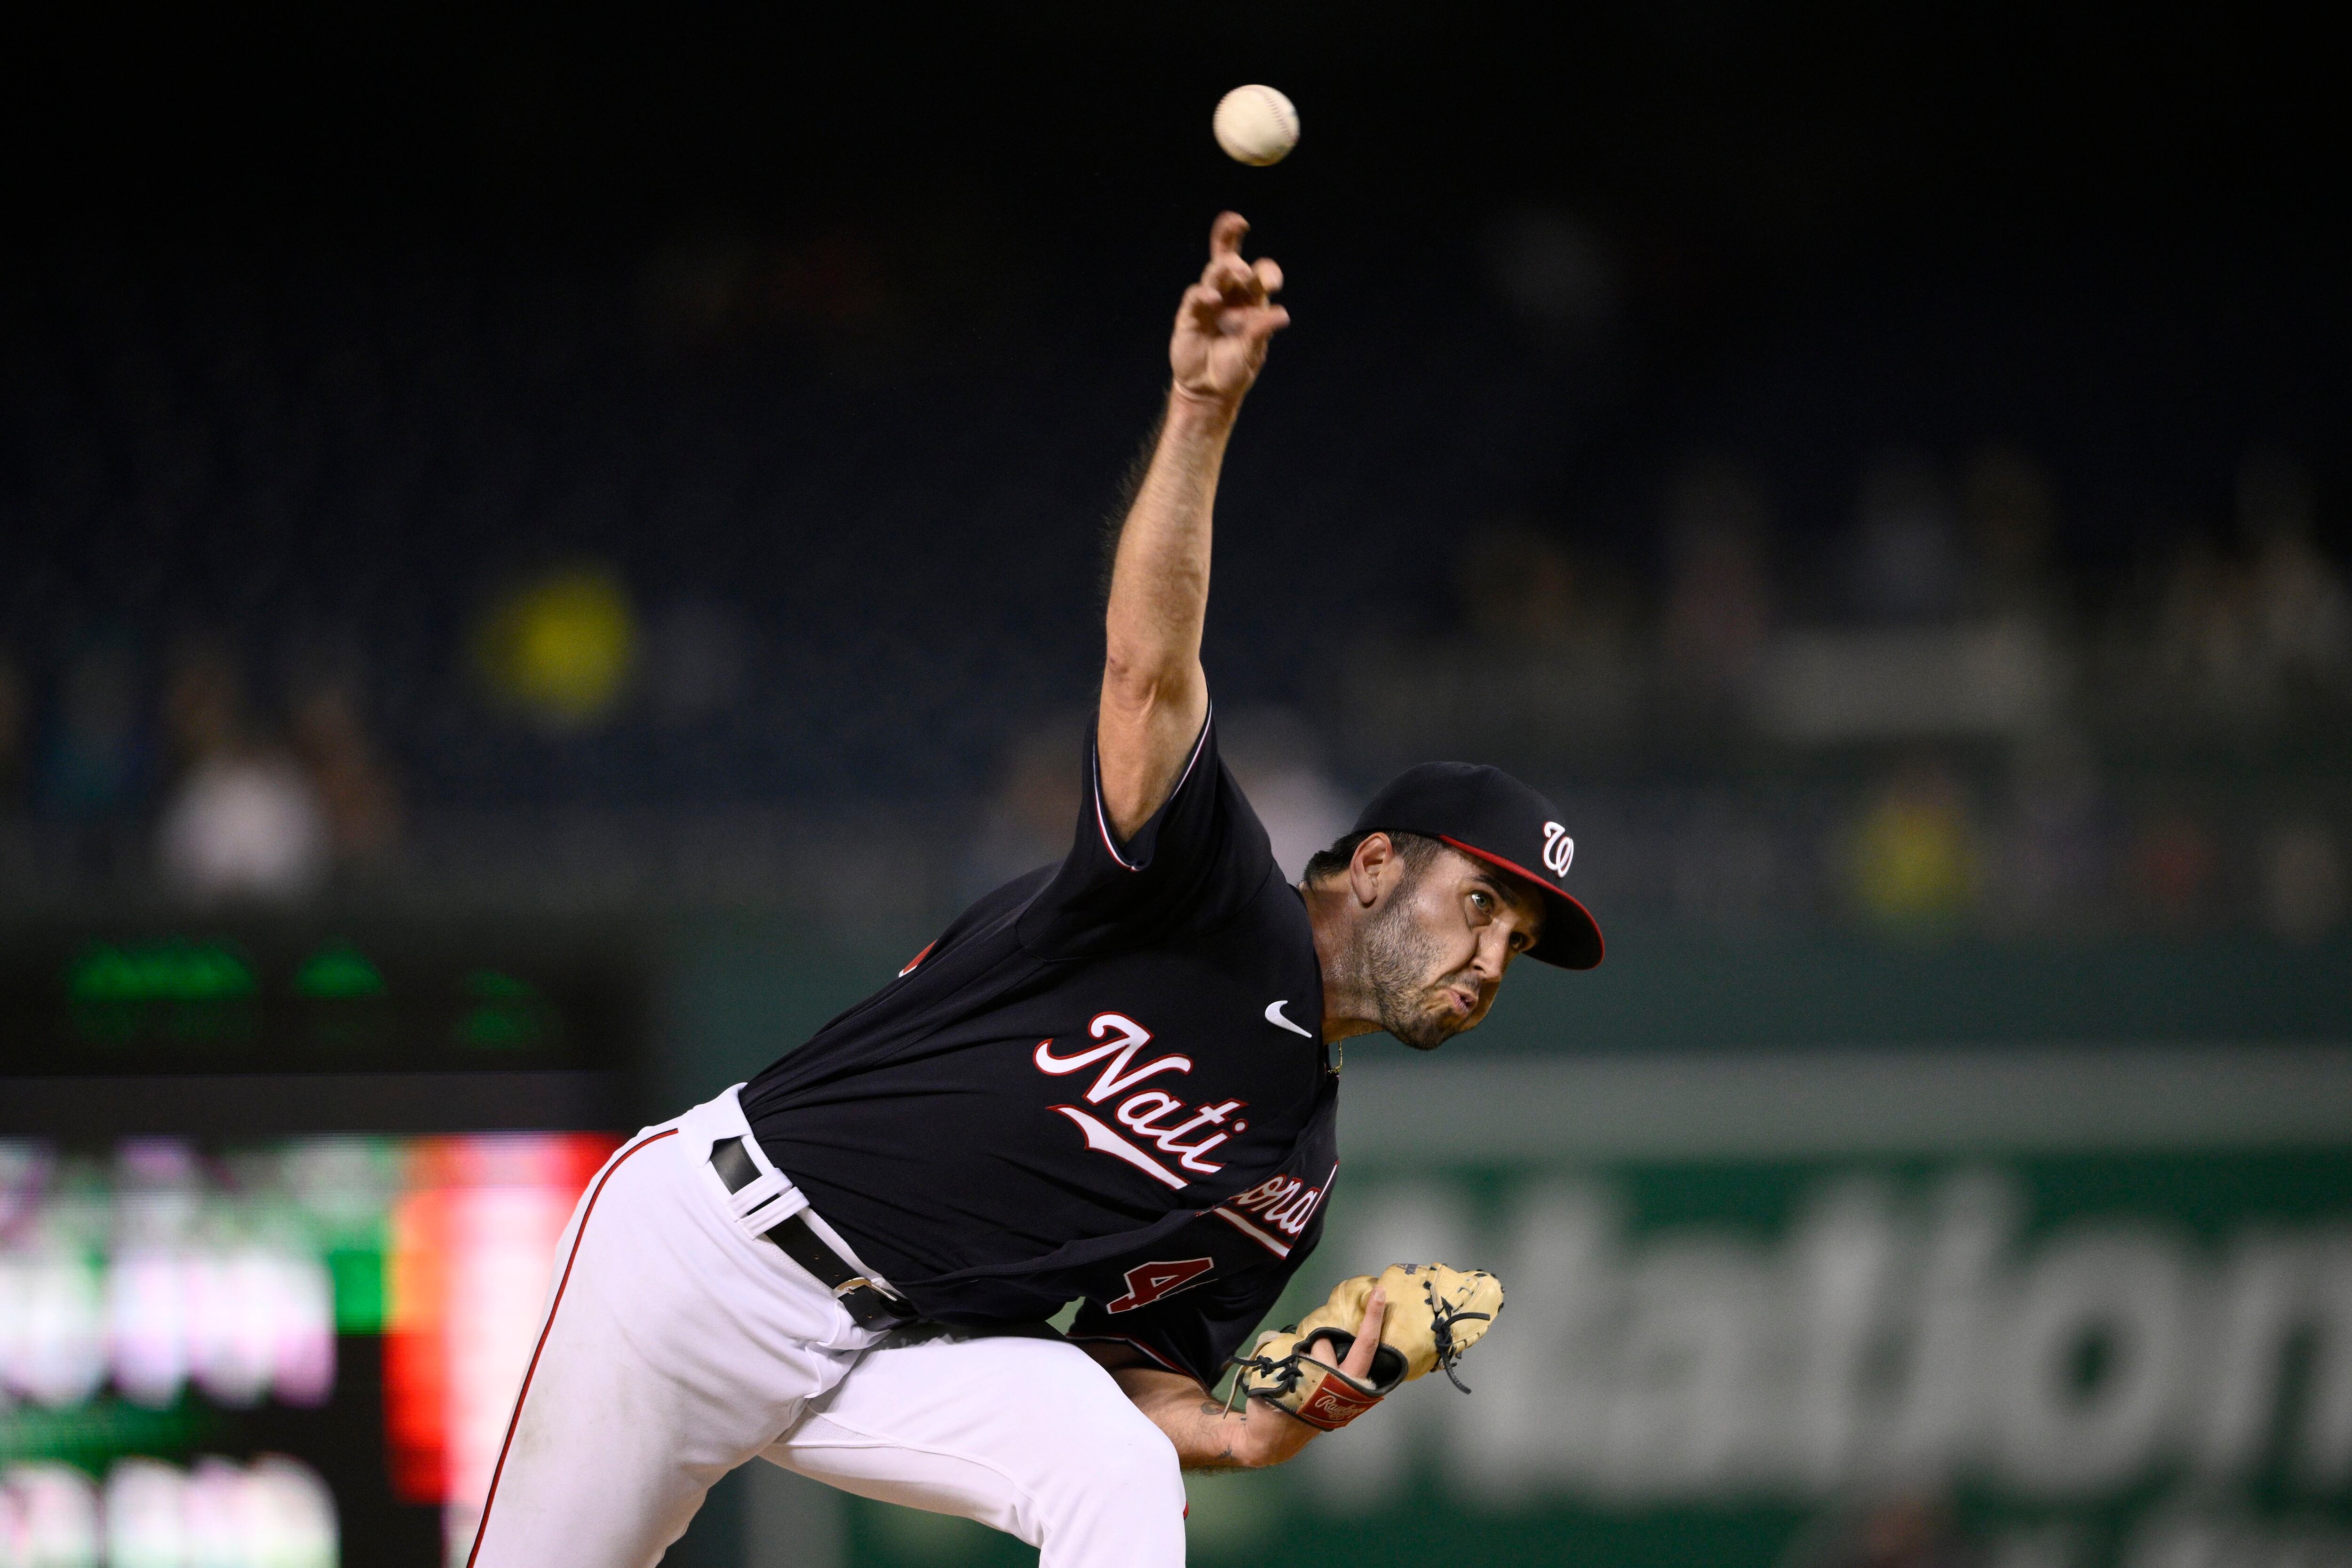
868	1307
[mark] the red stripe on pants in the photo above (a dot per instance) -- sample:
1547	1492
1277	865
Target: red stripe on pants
572	1257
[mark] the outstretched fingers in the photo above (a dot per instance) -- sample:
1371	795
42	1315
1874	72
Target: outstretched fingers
1219	315
1227	318
1235	279
1261	324
1226	234
1204	303
1239	280
1358	1364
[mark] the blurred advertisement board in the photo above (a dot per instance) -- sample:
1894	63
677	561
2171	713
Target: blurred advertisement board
290	1355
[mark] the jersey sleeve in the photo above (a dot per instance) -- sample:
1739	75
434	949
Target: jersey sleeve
1200	858
1192	1332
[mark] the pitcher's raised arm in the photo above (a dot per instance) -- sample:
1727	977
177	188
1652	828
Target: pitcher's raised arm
1155	696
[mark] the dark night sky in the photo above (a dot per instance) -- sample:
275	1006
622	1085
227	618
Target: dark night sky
1736	134
1831	228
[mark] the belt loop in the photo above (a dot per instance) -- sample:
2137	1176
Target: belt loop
753	1199
757	1202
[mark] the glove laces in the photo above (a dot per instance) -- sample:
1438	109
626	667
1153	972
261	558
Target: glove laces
1442	1316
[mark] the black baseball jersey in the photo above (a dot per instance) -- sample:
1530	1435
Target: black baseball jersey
1105	1080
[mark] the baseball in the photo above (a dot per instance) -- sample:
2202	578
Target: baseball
1257	125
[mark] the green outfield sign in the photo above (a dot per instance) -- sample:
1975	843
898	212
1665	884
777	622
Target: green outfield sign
2026	1308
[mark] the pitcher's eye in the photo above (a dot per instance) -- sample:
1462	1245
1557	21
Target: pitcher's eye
1483	902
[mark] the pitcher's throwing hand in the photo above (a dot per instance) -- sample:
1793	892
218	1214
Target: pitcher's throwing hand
1227	319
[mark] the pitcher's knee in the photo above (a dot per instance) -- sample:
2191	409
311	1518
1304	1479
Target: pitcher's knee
1143	1464
1121	1502
1111	1455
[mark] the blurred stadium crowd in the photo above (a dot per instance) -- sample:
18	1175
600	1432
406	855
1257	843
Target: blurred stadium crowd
719	583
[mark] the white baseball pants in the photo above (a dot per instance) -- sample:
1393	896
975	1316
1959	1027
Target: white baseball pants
676	1346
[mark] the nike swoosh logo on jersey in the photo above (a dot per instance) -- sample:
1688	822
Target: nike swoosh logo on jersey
1273	1016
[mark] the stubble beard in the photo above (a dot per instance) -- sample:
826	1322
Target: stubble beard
1399	958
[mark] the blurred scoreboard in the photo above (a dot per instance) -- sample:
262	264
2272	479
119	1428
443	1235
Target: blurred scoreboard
283	1028
277	1212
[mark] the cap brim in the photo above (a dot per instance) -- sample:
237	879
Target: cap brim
1571	937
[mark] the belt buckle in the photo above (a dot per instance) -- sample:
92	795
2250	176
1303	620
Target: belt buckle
876	1309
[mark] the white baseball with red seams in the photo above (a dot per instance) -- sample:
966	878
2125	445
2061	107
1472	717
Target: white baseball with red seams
680	1345
1256	124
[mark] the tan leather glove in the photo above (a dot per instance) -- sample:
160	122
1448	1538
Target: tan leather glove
1434	1314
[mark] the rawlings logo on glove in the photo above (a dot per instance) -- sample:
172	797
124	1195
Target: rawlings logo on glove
1428	1314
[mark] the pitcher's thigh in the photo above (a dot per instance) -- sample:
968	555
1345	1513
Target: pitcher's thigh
599	1471
1029	1436
657	1371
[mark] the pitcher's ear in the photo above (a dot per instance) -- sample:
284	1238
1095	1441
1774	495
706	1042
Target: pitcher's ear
1374	863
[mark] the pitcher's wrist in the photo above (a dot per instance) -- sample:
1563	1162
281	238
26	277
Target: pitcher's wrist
1202	411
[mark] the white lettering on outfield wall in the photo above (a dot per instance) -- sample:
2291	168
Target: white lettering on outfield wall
1895	1332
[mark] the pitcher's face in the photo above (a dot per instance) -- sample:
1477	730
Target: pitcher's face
1436	951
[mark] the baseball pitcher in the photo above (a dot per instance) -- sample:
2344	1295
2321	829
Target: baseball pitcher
1111	1080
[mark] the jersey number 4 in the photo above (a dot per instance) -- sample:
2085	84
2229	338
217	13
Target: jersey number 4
1147	1282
